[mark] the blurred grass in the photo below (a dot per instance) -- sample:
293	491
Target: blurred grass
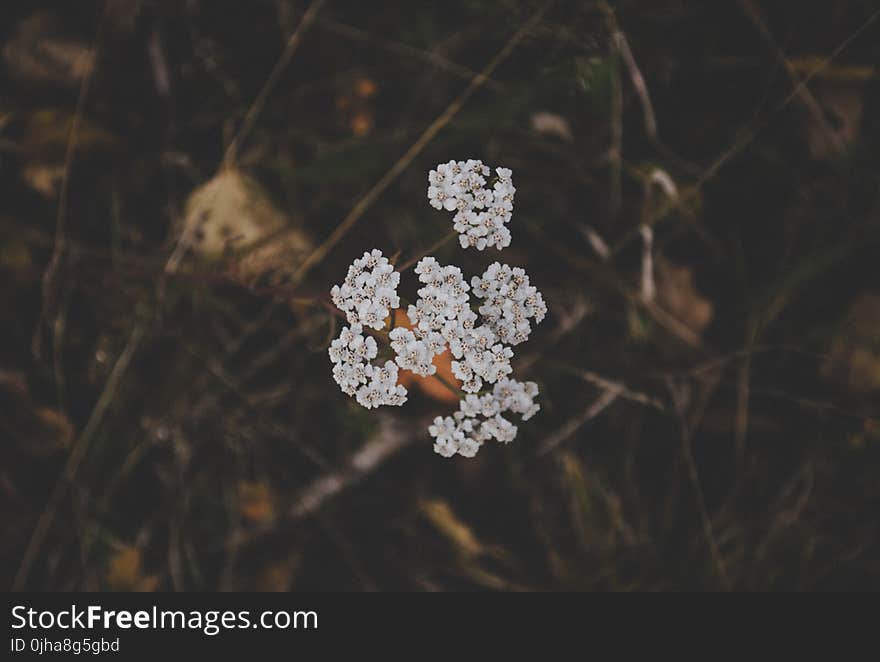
226	418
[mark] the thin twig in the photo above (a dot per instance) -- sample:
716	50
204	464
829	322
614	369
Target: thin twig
596	241
393	436
621	45
428	251
51	273
615	149
801	91
649	289
608	396
620	388
77	454
694	478
741	421
415	149
293	43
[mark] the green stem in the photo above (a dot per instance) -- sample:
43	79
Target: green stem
433	248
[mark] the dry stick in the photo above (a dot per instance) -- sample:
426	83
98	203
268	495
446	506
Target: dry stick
436	126
667	320
609	395
51	272
596	241
741	421
837	51
428	251
802	92
621	45
603	269
638	82
649	289
621	389
77	454
615	150
393	436
694	477
251	116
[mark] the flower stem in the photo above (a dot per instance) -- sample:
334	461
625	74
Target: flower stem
446	383
434	247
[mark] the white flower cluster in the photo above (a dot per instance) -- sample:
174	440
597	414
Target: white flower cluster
372	385
481	213
369	291
479	418
510	301
367	296
415	354
443	302
382	388
442	318
442	315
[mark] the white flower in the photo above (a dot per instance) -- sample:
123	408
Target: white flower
364	348
447	436
412	354
444	298
468	447
481	213
479	418
372	386
369	291
509	302
518	397
383	388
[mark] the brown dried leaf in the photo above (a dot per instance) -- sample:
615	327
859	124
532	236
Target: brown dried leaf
15	255
677	295
45	141
842	104
39	53
44	179
278	576
443	518
854	359
551	124
125	572
256	502
232	215
46	135
41	431
354	109
839	90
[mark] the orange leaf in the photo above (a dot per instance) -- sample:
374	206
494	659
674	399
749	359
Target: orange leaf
256	501
125	572
430	386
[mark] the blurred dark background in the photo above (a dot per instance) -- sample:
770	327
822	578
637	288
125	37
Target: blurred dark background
698	200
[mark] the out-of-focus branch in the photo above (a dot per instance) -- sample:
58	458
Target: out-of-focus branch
393	435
